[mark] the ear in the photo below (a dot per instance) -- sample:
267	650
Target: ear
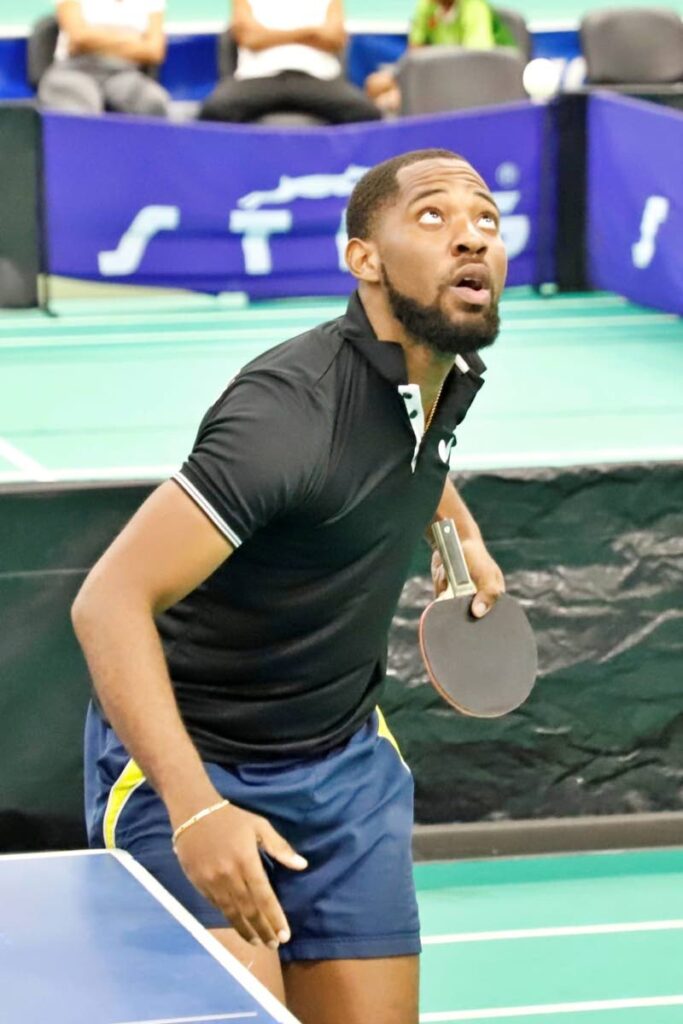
363	260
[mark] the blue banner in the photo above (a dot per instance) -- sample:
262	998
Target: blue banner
635	200
242	208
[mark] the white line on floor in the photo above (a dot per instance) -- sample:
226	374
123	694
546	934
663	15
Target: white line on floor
213	318
555	459
509	1012
547	933
22	461
228	316
272	334
484	462
197	1020
132	474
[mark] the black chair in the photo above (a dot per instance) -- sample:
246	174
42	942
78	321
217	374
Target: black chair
516	25
40	48
634	50
435	79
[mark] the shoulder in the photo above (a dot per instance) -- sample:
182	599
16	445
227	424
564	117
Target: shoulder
294	378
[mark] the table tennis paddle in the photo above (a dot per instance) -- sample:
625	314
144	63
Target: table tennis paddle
483	667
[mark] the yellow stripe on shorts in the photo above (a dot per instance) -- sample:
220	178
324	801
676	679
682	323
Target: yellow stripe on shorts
128	781
385	732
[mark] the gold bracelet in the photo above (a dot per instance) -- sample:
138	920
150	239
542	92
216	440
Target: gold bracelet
195	818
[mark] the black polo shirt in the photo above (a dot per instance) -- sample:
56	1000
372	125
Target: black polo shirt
313	465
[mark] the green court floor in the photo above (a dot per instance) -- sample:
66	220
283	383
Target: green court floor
587	939
115	388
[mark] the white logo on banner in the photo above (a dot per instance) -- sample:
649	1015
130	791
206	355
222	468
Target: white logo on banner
251	221
655	213
308	186
127	256
256	225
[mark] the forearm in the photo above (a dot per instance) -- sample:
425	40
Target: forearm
126	661
326	38
255	36
452	506
111	43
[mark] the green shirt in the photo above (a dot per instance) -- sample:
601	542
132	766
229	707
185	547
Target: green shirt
469	23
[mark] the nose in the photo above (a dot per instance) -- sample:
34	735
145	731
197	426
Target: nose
467	240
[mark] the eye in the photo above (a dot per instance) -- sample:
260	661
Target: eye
490	221
431	216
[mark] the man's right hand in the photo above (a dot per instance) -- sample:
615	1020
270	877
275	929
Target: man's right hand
220	855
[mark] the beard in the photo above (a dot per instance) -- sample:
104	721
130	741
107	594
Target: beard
428	324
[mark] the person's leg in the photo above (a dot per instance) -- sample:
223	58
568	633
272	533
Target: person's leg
382	88
242	100
383	991
74	92
263	963
133	92
353	956
335	100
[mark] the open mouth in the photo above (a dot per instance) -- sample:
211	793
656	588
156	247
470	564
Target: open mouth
472	285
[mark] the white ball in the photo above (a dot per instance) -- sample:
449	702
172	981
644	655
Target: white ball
541	78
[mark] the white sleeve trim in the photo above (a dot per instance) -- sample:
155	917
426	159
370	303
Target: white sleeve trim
208	509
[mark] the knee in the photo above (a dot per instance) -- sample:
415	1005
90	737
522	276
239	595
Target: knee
72	93
218	107
152	101
362	110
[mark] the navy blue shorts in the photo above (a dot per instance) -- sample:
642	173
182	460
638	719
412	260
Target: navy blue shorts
349	812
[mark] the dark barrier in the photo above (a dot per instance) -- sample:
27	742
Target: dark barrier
20	205
595	553
49	538
569	138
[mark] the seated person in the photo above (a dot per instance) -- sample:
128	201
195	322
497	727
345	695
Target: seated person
102	51
288	59
469	23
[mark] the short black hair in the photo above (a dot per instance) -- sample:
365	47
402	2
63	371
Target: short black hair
379	185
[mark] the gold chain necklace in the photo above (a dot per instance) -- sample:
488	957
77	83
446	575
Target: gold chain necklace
434	405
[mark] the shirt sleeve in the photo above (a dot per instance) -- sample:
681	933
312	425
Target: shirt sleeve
477	25
419	29
156	6
258	455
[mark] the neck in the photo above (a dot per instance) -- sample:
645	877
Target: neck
425	367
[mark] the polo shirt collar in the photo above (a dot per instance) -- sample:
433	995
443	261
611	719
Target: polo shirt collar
388	359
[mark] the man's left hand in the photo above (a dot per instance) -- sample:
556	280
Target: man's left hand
485	572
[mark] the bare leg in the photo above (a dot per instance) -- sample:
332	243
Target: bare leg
381	991
263	963
382	87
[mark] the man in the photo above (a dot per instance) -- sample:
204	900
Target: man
104	50
272	565
288	60
472	24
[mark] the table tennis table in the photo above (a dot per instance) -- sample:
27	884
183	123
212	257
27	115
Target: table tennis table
89	937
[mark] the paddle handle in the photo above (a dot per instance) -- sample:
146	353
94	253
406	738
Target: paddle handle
450	549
